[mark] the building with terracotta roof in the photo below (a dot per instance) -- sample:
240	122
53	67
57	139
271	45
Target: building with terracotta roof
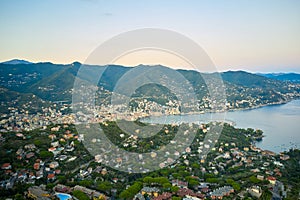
271	179
51	177
6	166
164	196
219	193
36	166
29	155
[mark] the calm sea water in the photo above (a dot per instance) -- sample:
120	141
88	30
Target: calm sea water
280	123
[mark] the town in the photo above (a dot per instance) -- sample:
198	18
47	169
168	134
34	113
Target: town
51	160
44	156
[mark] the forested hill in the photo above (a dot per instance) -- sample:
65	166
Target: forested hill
53	82
292	77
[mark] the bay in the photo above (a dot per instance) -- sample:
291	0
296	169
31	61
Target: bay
280	123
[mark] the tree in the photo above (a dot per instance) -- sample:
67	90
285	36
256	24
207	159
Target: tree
46	154
175	175
161	180
125	195
193	183
253	179
183	173
62	179
86	183
104	186
165	172
148	180
167	186
131	191
176	198
195	166
37	143
49	186
236	186
230	181
174	189
208	175
266	195
212	180
19	197
80	195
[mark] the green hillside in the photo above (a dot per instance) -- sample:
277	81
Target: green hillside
54	82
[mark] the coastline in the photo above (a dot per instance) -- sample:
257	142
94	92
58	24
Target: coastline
264	105
267	141
223	111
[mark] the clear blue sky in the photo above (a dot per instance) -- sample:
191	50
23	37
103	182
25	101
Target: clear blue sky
253	35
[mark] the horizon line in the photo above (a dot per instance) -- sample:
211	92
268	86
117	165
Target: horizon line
172	67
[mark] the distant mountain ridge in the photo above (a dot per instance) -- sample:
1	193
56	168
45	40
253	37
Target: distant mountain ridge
54	82
293	77
247	79
17	62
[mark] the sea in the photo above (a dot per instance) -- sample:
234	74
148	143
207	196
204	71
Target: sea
279	123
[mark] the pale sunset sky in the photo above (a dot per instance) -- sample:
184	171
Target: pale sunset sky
251	35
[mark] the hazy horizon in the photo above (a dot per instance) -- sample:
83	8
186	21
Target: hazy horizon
176	68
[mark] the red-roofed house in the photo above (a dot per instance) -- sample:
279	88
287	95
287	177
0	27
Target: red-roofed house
29	155
184	191
51	177
164	196
36	166
6	166
51	149
271	179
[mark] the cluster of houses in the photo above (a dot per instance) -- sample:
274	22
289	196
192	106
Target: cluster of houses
184	192
20	120
36	168
219	193
40	192
228	155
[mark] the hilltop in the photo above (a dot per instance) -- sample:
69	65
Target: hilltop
17	62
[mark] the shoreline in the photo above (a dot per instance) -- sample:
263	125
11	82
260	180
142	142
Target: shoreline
276	149
264	105
225	111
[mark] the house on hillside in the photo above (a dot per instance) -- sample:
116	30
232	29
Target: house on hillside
255	191
271	179
219	193
180	184
6	166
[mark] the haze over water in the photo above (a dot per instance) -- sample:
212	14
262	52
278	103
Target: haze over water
280	123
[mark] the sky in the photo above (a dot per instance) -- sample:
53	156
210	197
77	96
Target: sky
251	35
